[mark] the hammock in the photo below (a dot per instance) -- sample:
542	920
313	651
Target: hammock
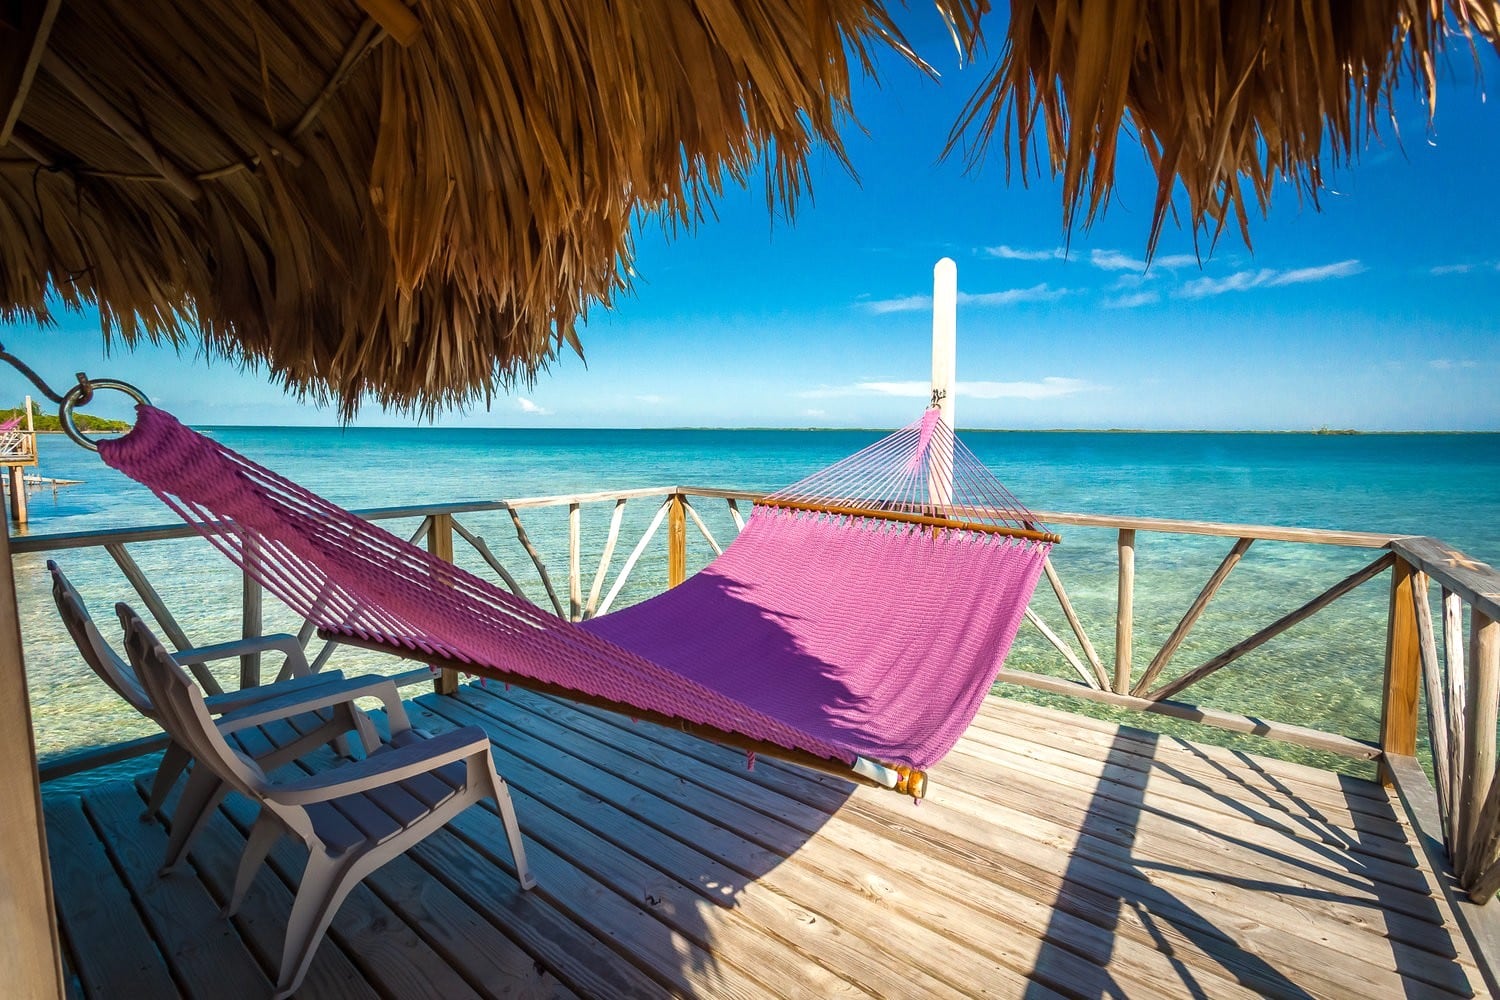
856	623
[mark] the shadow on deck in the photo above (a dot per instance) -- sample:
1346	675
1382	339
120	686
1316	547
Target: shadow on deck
1055	855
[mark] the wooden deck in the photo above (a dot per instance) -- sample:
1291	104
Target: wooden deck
1054	856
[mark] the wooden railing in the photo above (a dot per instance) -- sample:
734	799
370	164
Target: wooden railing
1461	686
1120	682
440	527
1455	657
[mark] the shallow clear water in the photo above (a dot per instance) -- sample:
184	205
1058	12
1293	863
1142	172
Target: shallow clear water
1324	673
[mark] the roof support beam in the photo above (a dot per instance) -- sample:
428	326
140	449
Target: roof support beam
21	48
127	130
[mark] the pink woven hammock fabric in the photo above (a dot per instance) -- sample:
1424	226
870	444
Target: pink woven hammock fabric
840	636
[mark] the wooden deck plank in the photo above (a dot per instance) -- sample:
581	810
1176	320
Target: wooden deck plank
110	948
1180	772
261	920
1353	801
202	949
1131	800
566	879
72	985
862	862
1259	855
1055	856
489	960
377	940
893	816
1281	775
1198	796
940	959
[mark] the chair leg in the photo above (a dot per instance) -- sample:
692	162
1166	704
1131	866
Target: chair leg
263	836
173	763
513	833
199	800
325	883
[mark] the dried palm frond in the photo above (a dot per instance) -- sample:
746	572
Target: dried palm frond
1225	98
419	225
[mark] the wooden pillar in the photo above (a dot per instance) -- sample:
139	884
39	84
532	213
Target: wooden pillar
440	544
1403	664
28	922
676	541
1125	611
575	563
251	619
1479	747
17	495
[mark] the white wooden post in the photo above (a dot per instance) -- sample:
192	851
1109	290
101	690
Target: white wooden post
944	368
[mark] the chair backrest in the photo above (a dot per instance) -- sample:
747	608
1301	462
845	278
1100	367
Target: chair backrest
181	710
97	652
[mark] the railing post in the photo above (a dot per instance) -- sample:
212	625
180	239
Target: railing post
251	620
575	567
440	544
1479	749
1125	611
1403	664
676	541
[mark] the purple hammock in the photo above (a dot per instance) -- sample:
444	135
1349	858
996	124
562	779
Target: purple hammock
856	623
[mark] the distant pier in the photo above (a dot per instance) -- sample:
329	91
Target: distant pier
17	454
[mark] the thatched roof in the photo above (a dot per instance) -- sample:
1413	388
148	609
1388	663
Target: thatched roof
421	202
1225	98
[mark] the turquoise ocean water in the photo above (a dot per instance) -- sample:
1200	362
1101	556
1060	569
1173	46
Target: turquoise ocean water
1324	673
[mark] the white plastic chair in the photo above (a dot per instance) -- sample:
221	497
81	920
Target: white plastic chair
353	818
297	691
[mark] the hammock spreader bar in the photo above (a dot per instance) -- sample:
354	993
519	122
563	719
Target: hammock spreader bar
909	517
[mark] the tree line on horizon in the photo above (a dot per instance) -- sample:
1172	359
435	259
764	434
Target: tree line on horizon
47	422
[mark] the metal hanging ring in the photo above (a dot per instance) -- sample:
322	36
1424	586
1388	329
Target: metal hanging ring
82	393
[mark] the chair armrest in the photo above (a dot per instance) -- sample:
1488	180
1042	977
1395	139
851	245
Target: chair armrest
231	701
320	696
384	767
278	642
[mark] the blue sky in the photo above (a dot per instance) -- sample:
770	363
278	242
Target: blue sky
1377	312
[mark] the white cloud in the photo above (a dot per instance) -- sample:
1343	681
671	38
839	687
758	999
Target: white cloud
815	413
1008	297
1243	281
527	406
909	303
1448	365
1011	253
1036	293
1132	301
650	399
1047	388
1469	268
1114	260
1301	275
